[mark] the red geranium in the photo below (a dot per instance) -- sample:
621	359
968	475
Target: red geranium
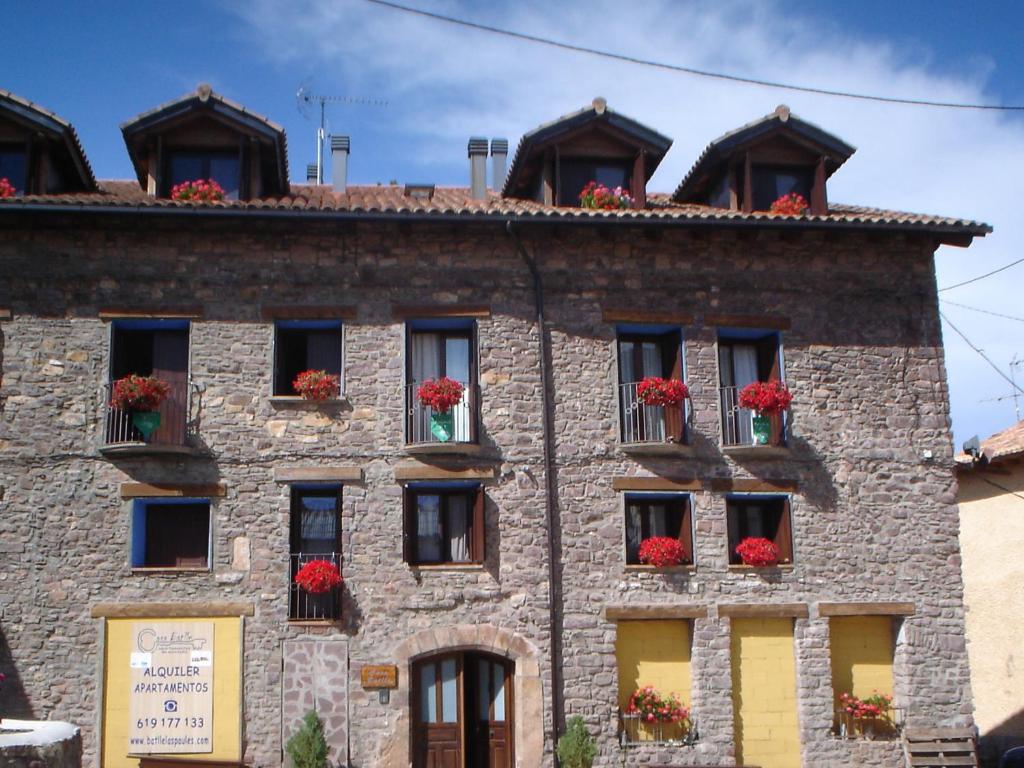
654	707
598	196
791	204
316	385
6	188
661	551
318	576
758	552
198	191
440	395
875	706
138	393
765	397
655	390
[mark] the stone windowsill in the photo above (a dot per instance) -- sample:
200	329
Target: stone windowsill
141	448
291	400
759	568
313	622
452	567
426	449
144	571
657	449
668	569
756	451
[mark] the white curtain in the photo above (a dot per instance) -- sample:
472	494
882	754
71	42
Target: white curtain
458	525
428	528
658	526
426	364
654	415
626	362
633	533
744	364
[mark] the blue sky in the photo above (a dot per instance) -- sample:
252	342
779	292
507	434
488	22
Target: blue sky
105	62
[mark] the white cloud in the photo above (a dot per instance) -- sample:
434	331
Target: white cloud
445	83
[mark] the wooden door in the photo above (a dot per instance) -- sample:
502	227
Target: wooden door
170	363
438	733
489	709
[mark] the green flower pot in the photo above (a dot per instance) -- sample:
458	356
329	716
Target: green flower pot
442	426
146	422
762	429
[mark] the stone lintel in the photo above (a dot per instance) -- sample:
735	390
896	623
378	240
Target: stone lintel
414	470
200	608
307	312
748	485
349	474
172	490
638	316
5	313
763	610
409	311
771	322
184	313
723	484
634	611
866	609
627	483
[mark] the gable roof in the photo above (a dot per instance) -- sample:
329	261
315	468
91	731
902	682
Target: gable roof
204	100
55	128
780	121
597	114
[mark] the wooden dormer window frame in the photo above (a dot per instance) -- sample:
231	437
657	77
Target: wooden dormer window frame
742	189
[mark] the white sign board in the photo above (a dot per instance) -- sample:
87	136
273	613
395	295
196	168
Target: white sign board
171	698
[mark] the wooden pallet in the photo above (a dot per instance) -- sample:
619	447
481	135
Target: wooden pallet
939	747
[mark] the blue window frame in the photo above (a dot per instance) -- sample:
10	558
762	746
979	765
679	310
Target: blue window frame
171	533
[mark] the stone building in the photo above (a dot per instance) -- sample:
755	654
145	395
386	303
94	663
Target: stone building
490	554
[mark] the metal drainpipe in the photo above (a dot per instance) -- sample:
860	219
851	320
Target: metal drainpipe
554	589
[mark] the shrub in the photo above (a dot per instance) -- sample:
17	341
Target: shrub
576	748
307	747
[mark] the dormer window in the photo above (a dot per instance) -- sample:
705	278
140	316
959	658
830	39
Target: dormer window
190	165
12	166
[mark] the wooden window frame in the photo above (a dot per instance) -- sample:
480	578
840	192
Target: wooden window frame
467	332
141	508
477	530
685	534
771	366
277	386
783	536
670	343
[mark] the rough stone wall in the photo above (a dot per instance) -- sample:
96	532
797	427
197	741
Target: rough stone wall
871	519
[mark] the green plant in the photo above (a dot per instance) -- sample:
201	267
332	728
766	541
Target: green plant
307	747
576	748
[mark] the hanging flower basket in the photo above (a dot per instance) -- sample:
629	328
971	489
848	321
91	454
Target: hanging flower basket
138	393
662	552
599	197
766	399
758	552
318	577
440	395
6	188
316	385
791	204
198	191
657	391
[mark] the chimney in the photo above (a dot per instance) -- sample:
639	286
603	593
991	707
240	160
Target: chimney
478	168
339	162
311	173
499	161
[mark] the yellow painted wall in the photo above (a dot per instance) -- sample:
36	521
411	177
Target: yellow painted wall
655	653
227	690
764	693
991	542
862	653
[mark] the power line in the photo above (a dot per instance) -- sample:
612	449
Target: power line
965	282
983	311
687	70
985	357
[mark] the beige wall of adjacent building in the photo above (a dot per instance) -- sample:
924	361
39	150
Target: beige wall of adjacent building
992	541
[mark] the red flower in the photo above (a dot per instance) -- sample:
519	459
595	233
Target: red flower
6	188
765	397
661	551
598	196
652	706
791	204
758	552
440	395
654	390
138	393
198	191
316	385
318	577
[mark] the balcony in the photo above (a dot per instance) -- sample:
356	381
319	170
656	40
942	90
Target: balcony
304	606
738	428
885	727
179	418
651	428
454	432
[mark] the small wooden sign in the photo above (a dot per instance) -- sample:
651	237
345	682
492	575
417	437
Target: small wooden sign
379	676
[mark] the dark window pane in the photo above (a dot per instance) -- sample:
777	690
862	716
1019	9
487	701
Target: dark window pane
428	528
224	170
771	183
177	535
301	349
759	518
192	165
12	167
575	174
318	522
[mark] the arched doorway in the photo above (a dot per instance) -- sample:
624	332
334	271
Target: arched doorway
462	711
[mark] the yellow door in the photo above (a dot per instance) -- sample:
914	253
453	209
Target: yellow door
764	693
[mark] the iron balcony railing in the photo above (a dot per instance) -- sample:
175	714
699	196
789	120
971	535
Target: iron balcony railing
633	731
738	423
304	606
459	425
888	725
178	419
650	423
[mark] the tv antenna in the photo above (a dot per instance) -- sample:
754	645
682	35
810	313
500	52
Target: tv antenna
305	98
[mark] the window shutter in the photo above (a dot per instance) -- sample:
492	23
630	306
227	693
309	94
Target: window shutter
686	531
409	526
784	534
734	534
479	531
672	362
